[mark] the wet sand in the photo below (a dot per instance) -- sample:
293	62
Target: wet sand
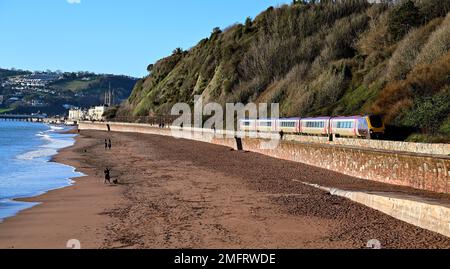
185	194
74	212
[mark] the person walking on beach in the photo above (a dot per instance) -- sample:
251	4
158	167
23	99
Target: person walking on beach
107	176
106	144
109	144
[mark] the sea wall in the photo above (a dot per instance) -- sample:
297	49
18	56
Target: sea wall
420	171
434	149
433	217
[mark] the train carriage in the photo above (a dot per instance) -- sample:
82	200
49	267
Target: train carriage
247	125
291	125
345	126
354	126
315	126
266	125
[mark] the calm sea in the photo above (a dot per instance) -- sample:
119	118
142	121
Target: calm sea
25	167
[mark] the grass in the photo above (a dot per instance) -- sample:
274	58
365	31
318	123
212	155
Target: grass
76	85
5	110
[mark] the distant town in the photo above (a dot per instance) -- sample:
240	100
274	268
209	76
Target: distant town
56	92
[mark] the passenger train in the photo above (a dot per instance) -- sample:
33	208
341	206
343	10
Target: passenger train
355	126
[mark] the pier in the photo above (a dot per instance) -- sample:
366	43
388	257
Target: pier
24	117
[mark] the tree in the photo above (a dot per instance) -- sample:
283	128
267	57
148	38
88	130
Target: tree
248	25
177	51
215	32
402	19
150	68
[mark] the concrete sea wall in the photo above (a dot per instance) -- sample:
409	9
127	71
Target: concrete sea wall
429	216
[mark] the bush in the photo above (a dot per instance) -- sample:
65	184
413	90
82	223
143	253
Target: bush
430	9
430	112
437	45
329	87
404	57
445	128
424	80
402	19
376	38
340	40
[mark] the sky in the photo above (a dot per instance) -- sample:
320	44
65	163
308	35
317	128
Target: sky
110	36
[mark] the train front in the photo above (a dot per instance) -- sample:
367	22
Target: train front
376	125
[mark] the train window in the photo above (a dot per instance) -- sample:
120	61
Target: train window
246	123
314	124
265	124
345	125
288	124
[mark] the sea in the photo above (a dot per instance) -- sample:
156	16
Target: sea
26	169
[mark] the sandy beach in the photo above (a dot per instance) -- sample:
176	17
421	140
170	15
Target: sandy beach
185	194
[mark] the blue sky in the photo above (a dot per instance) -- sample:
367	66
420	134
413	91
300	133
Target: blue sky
110	36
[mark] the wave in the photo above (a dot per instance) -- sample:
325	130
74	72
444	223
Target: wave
53	144
56	128
31	155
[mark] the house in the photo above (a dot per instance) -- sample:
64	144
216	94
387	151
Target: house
77	115
96	113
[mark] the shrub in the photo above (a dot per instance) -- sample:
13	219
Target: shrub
341	38
375	38
329	88
424	80
430	9
445	127
404	58
430	112
437	45
402	19
427	79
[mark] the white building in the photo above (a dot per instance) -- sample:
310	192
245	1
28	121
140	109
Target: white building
77	115
93	114
96	113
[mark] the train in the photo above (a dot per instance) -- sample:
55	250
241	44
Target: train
368	126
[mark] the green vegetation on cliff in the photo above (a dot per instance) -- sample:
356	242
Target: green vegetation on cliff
349	57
